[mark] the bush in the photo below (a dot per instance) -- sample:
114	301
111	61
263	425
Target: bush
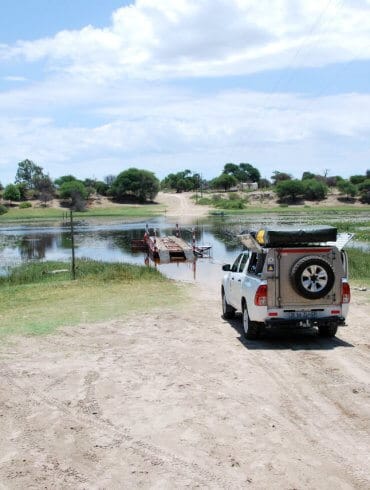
76	191
357	179
290	190
11	193
346	188
234	204
364	189
314	190
3	209
141	184
71	188
25	204
206	201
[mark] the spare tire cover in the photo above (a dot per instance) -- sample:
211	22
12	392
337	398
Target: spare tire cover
312	277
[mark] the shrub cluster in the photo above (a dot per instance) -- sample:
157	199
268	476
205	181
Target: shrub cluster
25	204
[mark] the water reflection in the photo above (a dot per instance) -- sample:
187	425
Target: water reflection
33	247
112	242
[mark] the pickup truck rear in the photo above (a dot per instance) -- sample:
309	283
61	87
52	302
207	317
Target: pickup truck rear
289	277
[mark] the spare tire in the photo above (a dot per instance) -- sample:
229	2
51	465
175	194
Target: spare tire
312	277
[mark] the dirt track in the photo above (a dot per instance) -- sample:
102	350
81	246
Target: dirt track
181	205
177	398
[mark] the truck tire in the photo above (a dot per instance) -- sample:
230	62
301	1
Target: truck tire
312	277
328	330
227	310
251	329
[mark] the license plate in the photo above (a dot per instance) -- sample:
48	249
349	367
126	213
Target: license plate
302	315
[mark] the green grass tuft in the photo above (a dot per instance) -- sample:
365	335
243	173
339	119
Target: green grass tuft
359	265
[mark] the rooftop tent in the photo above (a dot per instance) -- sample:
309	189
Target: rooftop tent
276	237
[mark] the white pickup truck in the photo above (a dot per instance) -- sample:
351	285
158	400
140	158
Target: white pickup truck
290	277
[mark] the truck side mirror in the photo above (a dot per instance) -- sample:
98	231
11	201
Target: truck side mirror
226	267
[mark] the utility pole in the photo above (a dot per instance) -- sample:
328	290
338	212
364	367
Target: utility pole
73	246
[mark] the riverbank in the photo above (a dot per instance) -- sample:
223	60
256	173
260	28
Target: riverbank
177	205
39	297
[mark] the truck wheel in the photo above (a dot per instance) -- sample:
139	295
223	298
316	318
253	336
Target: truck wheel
328	330
312	277
227	310
251	329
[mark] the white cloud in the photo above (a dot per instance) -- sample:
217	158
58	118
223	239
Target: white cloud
100	110
162	129
12	78
166	38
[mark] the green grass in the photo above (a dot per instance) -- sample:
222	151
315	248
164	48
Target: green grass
359	265
36	302
297	210
124	211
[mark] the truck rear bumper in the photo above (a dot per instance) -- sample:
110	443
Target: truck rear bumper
287	322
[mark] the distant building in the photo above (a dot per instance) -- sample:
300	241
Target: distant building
250	186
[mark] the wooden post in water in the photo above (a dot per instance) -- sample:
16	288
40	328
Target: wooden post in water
73	246
193	233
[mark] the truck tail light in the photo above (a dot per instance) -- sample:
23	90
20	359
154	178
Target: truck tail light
260	298
346	292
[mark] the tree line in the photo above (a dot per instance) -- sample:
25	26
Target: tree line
137	185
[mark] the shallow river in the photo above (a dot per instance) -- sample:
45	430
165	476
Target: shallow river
112	242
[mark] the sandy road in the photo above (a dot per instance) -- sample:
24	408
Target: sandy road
181	205
176	398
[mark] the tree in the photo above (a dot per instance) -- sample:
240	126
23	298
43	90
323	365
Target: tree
357	179
101	188
264	183
109	179
65	178
244	172
11	193
76	192
290	189
28	173
308	175
251	174
45	189
364	189
346	187
231	169
181	181
141	184
24	191
333	180
224	181
279	177
314	190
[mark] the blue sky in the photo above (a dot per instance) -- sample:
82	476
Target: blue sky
91	87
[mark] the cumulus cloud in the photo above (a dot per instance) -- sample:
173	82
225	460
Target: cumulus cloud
98	108
162	125
166	38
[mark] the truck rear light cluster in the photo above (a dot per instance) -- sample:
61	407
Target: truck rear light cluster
260	298
346	292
